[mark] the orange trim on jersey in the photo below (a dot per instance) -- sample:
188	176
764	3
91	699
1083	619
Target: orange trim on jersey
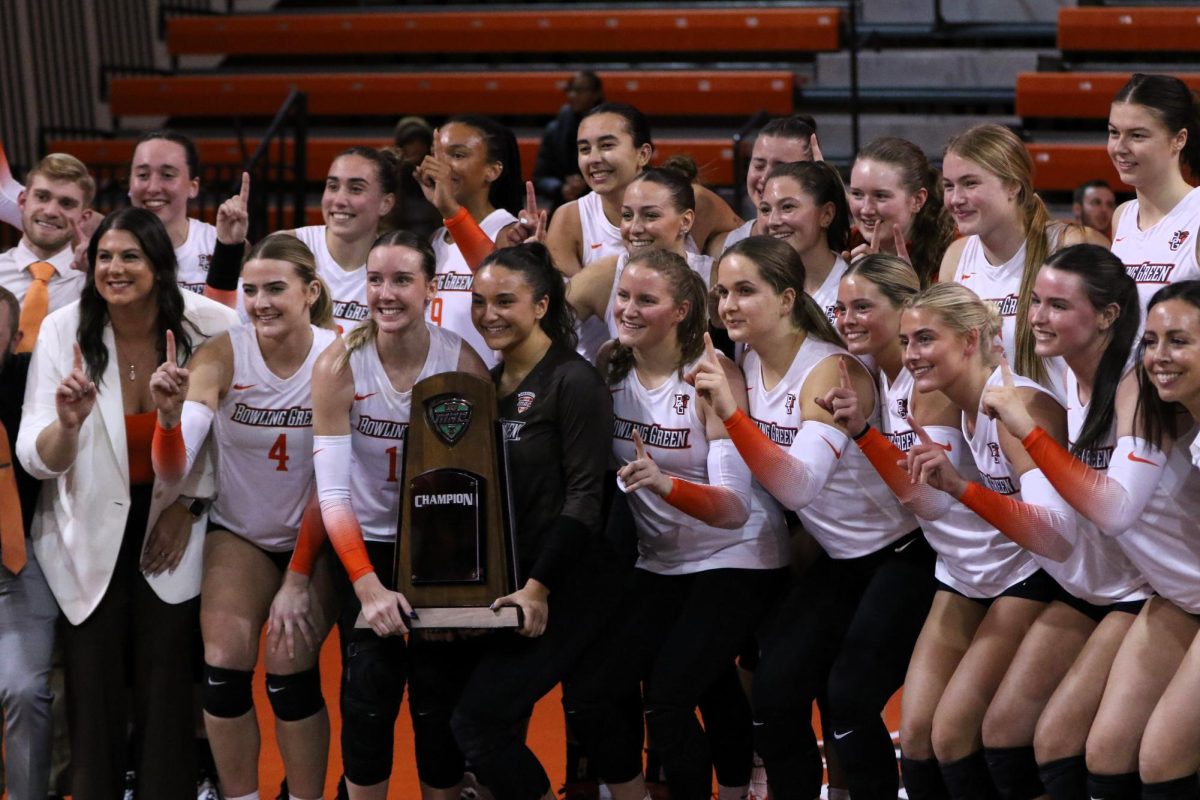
712	505
346	535
226	297
310	539
167	453
472	242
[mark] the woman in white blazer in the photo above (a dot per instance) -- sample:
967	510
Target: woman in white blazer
121	551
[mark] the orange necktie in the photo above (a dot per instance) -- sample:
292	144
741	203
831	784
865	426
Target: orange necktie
37	303
12	529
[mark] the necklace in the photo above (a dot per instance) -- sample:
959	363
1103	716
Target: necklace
132	373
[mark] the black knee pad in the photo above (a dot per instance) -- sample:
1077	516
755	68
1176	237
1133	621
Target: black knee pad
1185	788
227	692
1126	786
968	778
297	696
372	687
923	779
1014	772
1065	778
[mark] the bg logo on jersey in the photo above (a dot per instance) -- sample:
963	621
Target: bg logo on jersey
1177	240
789	403
680	404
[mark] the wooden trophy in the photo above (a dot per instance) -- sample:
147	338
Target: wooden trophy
456	550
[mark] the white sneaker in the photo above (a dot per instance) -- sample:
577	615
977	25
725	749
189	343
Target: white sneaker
207	789
759	789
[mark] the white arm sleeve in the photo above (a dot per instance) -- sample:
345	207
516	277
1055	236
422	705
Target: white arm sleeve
195	422
1133	474
812	458
727	470
331	462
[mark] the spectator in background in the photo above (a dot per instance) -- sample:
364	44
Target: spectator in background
1094	205
53	210
556	173
413	138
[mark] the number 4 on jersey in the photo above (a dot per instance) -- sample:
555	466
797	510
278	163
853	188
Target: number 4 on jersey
278	453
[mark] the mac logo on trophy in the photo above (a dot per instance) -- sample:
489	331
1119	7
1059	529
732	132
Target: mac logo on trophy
456	552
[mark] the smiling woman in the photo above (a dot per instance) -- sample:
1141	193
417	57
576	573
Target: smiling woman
121	556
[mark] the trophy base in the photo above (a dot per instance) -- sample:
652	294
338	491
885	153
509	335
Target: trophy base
460	617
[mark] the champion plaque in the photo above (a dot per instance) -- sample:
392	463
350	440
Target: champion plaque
456	552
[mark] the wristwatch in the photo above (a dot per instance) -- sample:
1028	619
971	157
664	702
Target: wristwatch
196	506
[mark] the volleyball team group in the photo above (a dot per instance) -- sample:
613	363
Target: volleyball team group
905	431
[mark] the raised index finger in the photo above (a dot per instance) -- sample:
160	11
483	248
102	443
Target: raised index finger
638	445
531	206
78	363
844	371
171	348
710	352
919	431
244	194
1006	373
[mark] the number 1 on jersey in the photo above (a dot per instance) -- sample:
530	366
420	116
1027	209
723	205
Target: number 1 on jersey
392	453
278	453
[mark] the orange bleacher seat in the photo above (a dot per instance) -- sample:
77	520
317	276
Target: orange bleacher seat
657	92
1062	167
590	31
1129	29
1078	95
714	157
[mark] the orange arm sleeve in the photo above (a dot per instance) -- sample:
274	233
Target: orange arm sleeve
919	498
168	454
225	297
310	539
1032	527
472	242
346	536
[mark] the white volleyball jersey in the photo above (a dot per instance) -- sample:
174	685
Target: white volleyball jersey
1165	252
1001	286
855	513
347	288
1163	544
972	557
263	430
194	256
1096	570
451	308
740	232
599	237
826	295
379	425
671	542
700	264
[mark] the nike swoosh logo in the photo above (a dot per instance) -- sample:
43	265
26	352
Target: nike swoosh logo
1132	457
836	453
211	682
598	245
618	389
749	388
902	548
241	387
275	689
319	449
365	396
1118	239
840	736
967	275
